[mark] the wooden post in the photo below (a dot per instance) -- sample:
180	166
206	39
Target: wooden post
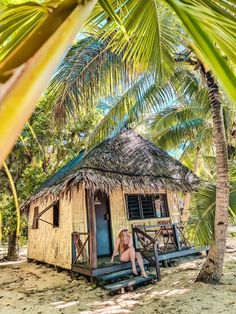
176	237
133	236
158	272
92	229
73	248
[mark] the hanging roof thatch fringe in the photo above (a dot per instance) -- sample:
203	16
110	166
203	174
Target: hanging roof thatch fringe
126	160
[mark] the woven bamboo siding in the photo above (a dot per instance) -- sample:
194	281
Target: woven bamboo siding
174	206
53	245
79	215
58	247
119	214
48	244
37	237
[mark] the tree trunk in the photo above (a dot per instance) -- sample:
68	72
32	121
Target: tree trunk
13	246
15	197
211	271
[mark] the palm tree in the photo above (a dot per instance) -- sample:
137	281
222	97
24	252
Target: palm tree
135	30
31	50
145	94
213	266
14	235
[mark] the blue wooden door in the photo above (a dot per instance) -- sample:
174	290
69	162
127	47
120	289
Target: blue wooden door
103	234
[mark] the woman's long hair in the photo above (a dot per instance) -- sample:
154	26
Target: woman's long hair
122	241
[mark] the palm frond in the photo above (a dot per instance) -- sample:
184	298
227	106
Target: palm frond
198	17
178	134
151	34
17	22
201	226
144	97
171	116
89	73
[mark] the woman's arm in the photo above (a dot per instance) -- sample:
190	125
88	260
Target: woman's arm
116	248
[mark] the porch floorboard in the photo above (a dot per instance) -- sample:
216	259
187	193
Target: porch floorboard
106	267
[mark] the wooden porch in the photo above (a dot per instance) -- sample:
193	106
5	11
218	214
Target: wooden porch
157	244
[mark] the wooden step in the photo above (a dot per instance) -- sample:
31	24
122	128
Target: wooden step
117	274
140	280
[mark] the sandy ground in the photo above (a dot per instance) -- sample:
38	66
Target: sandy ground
31	288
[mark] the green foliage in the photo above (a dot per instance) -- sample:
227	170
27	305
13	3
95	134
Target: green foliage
89	73
150	38
32	178
154	30
33	160
201	225
17	22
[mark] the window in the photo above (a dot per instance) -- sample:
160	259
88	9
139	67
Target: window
146	206
56	211
161	205
35	219
133	205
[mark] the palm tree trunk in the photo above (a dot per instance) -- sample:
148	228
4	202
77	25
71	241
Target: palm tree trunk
211	271
13	246
14	234
0	226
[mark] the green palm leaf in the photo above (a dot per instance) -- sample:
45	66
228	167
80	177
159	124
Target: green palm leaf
198	22
141	99
210	26
151	31
90	72
201	225
17	22
178	134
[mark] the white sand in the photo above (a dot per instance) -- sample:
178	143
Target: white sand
30	288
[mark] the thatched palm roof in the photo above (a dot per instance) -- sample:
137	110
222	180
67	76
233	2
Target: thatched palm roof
126	160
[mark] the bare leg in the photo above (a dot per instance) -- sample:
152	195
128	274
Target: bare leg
132	258
129	255
140	262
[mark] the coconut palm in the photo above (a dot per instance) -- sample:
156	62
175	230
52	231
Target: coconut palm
29	41
134	30
144	95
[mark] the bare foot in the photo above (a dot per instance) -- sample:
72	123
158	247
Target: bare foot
134	270
144	275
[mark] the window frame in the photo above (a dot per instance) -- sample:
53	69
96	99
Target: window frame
153	196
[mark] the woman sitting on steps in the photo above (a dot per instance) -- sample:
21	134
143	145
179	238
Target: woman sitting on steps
124	244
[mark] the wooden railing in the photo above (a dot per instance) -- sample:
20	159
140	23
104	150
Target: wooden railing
148	249
147	241
79	247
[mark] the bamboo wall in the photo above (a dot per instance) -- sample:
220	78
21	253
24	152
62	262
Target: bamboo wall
119	214
53	245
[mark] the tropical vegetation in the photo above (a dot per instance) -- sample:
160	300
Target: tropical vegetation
151	40
38	153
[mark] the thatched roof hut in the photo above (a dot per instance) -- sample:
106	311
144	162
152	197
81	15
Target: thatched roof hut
124	181
126	160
